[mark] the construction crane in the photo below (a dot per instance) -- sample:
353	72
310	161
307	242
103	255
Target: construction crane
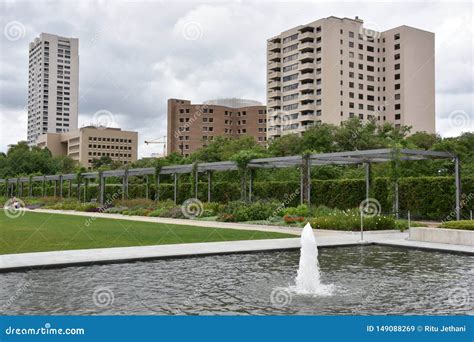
161	140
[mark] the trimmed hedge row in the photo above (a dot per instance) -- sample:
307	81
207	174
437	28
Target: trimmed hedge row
425	197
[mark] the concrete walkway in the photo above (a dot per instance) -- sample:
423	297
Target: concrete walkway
10	262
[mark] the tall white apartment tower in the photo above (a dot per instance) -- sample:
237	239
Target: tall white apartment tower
334	69
53	85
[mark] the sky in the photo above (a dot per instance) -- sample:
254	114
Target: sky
133	55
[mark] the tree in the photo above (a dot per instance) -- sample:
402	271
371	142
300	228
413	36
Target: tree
287	145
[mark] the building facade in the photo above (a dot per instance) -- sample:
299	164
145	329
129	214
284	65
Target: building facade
53	85
192	126
89	143
334	69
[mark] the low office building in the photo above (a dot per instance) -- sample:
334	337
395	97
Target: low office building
89	143
192	126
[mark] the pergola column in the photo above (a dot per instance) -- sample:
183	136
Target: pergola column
78	187
61	186
243	184
101	188
367	181
69	193
196	180
55	188
125	185
175	188
308	181
43	191
396	203
86	189
157	187
30	188
250	185
209	184
457	179
146	187
301	185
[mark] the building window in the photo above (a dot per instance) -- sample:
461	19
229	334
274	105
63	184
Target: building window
397	116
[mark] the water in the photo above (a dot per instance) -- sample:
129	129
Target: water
308	277
368	280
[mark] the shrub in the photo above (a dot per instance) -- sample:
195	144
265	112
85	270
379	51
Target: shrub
240	211
350	221
66	204
115	210
301	210
155	213
464	224
174	212
139	212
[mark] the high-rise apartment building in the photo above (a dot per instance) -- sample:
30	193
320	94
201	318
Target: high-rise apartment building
192	126
334	69
53	85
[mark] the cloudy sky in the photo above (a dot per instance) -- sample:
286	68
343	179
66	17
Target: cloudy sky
136	55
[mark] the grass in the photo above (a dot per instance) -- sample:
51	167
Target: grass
40	232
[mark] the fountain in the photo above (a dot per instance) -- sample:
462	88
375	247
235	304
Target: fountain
308	277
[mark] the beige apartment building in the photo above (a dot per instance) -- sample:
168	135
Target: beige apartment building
192	126
334	69
53	85
90	142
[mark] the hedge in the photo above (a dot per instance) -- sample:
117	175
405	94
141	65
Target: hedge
425	197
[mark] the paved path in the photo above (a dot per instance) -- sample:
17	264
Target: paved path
10	262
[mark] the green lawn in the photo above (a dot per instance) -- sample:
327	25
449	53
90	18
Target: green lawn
39	232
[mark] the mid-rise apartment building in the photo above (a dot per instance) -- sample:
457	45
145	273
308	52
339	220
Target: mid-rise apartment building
53	85
334	69
192	126
89	143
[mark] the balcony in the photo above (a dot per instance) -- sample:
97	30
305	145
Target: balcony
274	104
306	57
306	47
274	93
307	108
306	88
306	97
274	46
274	65
307	76
274	56
306	37
274	75
274	84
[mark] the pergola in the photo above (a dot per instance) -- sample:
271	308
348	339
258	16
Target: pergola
304	163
